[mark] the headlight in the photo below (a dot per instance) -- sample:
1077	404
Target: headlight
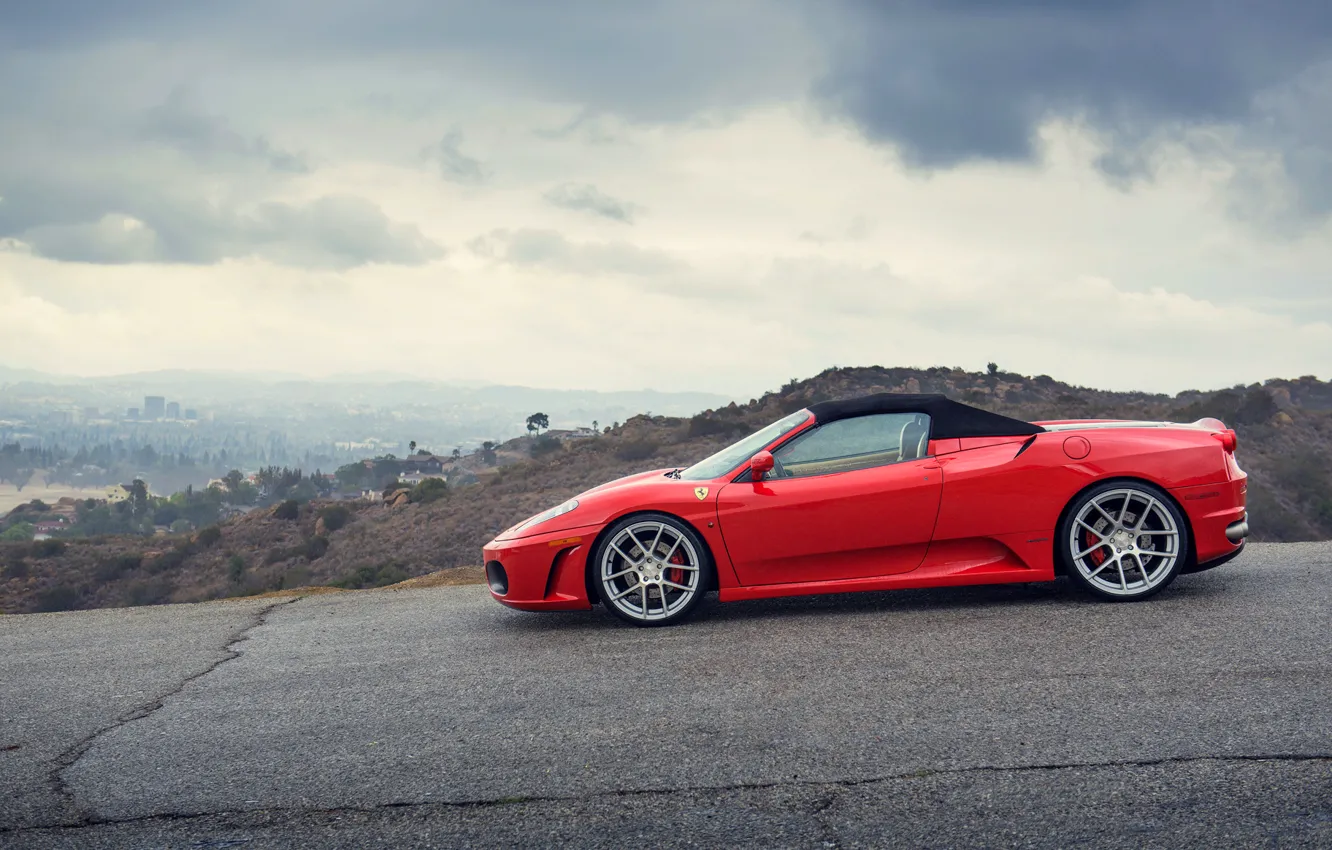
558	510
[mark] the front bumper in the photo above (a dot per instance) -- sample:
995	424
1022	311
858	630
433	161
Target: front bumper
543	572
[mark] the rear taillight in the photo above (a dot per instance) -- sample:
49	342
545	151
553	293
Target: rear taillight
1228	440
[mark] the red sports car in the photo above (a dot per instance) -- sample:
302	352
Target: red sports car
888	491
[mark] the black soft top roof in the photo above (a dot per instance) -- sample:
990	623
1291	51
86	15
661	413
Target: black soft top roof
948	418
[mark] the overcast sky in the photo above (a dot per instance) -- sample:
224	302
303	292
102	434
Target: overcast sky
686	194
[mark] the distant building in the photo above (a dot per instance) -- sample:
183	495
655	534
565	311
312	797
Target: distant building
191	414
49	526
424	464
154	407
173	410
132	413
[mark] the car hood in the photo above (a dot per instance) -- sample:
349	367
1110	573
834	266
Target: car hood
591	504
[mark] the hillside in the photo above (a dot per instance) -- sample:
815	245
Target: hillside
1285	429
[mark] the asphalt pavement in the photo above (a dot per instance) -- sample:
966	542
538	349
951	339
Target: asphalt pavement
1013	716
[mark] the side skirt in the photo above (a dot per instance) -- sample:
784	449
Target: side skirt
901	581
1005	559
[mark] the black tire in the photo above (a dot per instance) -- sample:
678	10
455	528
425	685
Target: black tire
658	582
1123	541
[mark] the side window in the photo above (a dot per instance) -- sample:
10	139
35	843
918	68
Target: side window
856	443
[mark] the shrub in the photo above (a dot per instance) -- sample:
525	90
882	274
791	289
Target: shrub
277	555
235	568
149	591
294	577
114	568
636	450
61	597
429	490
18	532
15	568
335	516
209	536
166	515
47	548
169	560
386	573
545	445
703	425
315	548
288	510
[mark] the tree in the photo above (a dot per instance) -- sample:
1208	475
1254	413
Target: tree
537	421
992	368
488	453
233	479
457	452
138	498
429	490
20	478
594	425
18	532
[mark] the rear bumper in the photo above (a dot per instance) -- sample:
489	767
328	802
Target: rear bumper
1215	562
543	572
1218	516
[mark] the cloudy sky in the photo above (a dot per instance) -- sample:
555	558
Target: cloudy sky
715	195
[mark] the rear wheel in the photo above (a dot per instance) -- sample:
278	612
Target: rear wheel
1124	540
651	570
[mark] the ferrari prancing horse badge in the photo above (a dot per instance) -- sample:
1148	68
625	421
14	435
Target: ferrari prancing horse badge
701	492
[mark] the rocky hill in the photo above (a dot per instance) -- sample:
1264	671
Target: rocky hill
1285	430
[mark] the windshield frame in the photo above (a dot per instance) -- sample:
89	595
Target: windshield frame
738	454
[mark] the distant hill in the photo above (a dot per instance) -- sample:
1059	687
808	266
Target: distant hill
1285	430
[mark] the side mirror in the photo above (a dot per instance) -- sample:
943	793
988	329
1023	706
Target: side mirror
761	464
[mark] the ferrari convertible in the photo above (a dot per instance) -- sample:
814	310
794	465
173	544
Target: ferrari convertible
888	491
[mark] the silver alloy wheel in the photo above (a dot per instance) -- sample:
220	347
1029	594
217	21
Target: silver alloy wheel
649	571
1124	542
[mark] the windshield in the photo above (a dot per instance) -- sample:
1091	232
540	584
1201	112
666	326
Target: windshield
737	453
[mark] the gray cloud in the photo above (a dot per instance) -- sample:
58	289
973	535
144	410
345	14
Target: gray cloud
949	82
209	140
651	60
589	199
331	233
941	82
107	174
454	165
551	250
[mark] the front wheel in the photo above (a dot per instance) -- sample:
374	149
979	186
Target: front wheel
1124	541
651	569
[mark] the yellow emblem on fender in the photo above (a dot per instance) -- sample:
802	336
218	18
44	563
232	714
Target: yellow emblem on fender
701	492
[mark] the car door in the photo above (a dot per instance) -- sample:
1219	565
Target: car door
850	499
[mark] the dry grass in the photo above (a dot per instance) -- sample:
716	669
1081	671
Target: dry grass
455	577
443	578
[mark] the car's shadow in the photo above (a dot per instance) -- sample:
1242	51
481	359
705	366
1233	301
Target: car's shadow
1060	593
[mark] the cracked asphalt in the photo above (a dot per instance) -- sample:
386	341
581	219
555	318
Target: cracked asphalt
1020	716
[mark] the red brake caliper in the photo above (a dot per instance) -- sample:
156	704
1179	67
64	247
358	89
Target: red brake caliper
1097	557
677	576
